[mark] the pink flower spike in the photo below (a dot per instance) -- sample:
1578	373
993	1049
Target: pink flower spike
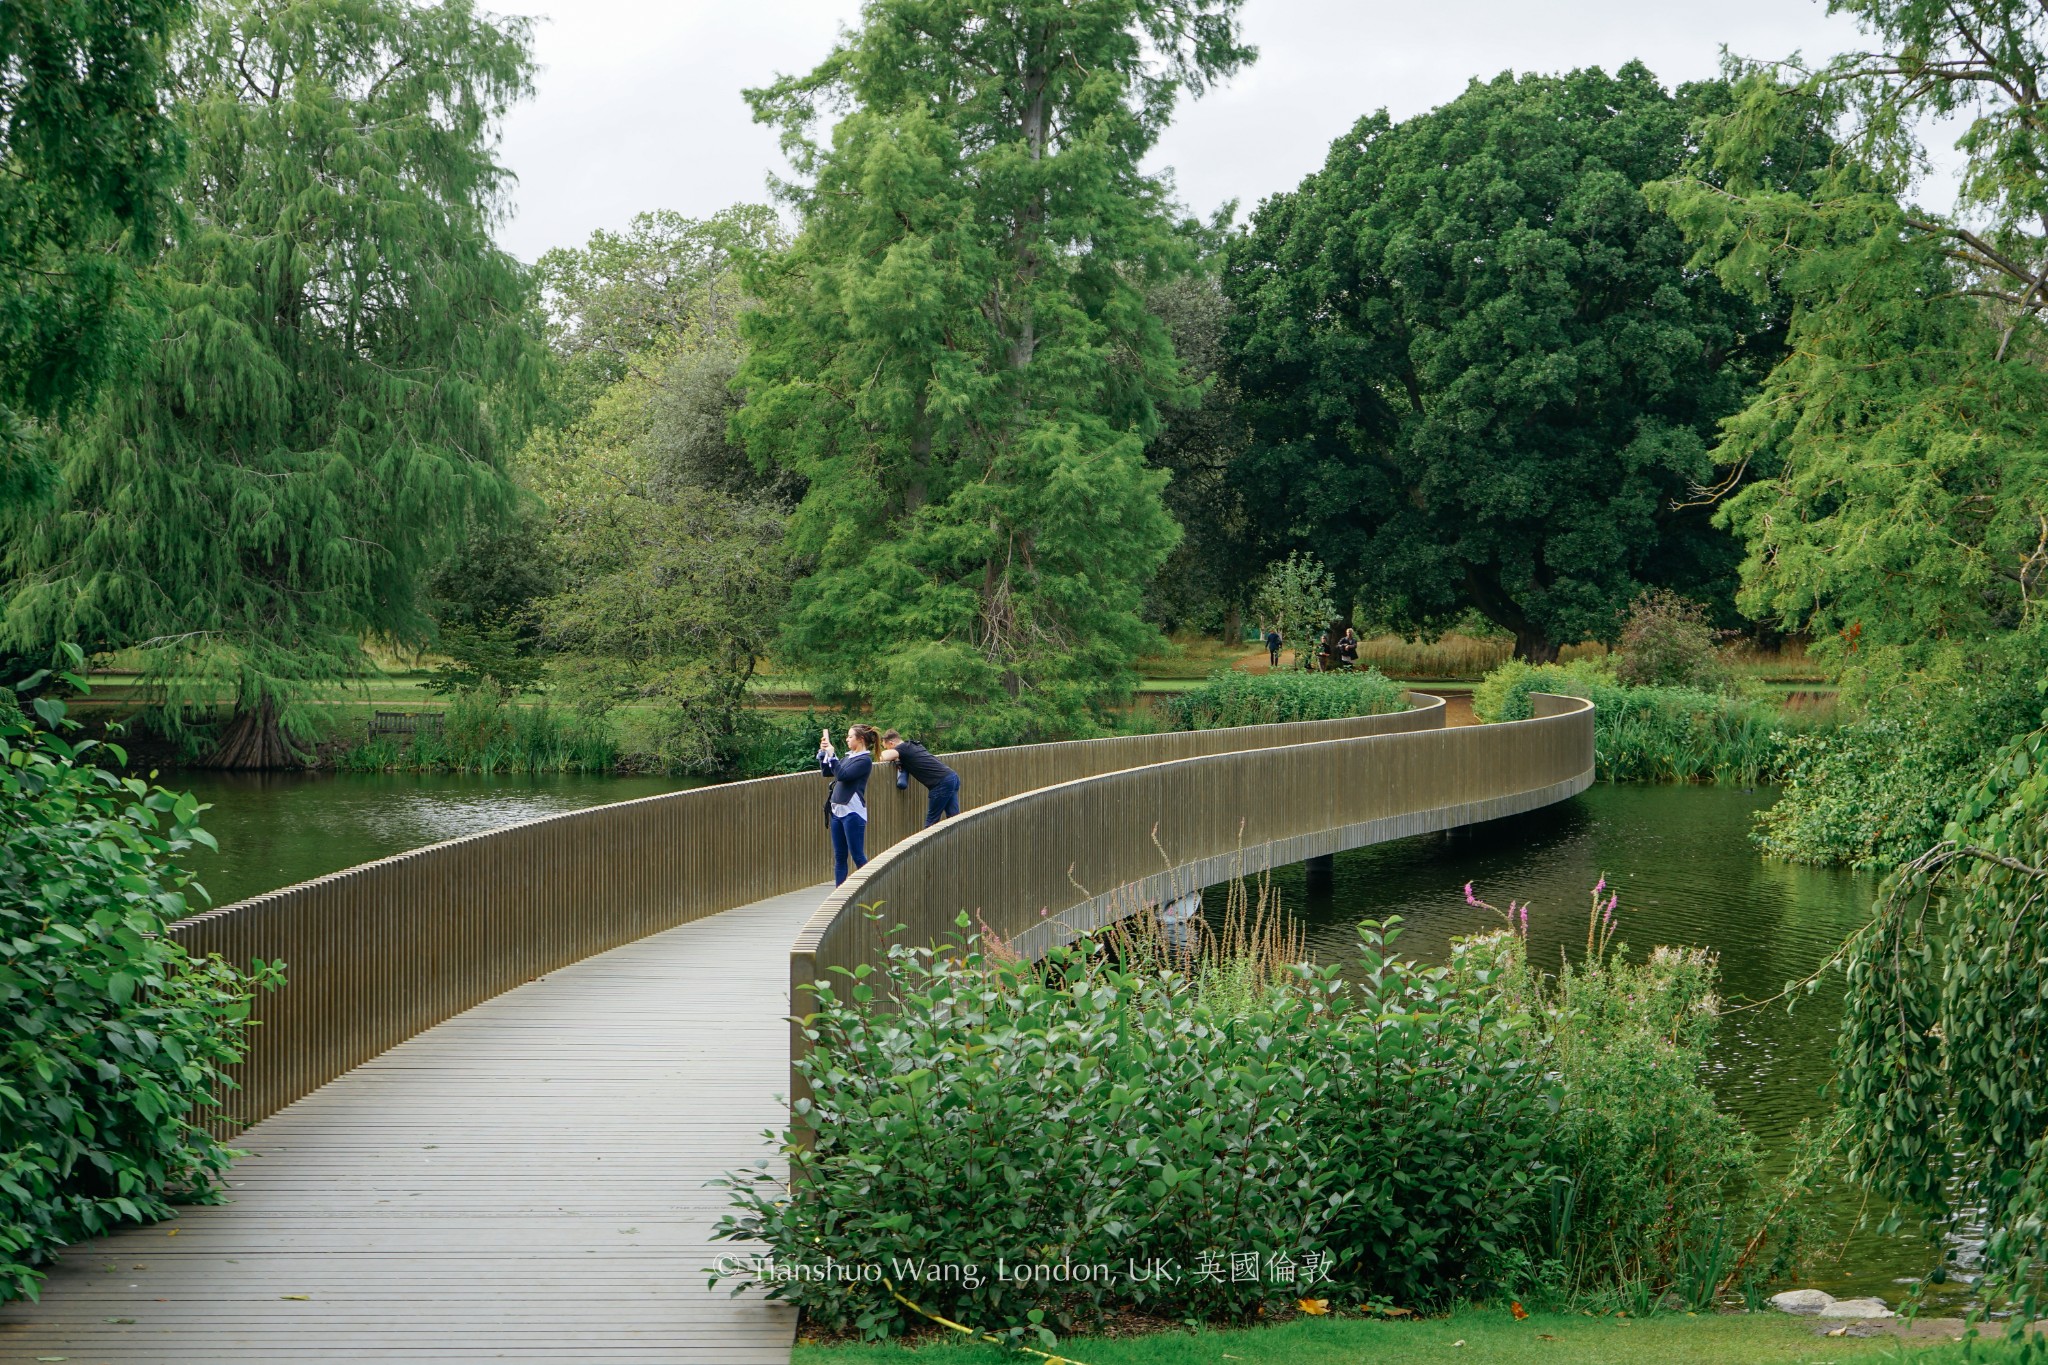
1600	886
1470	899
1525	919
1613	901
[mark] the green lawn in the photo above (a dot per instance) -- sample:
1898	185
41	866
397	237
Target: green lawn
1465	1338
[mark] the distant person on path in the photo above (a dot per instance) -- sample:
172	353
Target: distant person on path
848	803
1273	643
940	781
1347	650
1326	653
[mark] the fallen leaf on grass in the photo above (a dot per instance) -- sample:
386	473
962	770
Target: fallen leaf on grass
1315	1308
1838	1332
1545	1336
1459	1342
1517	1309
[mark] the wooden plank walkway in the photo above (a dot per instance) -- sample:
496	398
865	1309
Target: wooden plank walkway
523	1182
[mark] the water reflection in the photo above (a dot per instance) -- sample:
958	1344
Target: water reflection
275	829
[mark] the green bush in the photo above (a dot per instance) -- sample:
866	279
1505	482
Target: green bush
1666	641
1418	1135
113	1040
1652	734
1878	791
1232	697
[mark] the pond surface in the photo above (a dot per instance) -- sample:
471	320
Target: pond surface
276	829
1688	875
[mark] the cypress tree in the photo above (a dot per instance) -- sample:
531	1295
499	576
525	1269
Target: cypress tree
344	356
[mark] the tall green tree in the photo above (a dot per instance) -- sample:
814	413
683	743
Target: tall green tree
957	356
88	156
344	357
1478	372
667	537
1896	462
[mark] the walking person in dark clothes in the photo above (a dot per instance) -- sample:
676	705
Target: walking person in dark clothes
914	760
848	803
1273	643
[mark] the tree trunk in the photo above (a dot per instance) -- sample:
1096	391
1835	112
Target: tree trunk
254	741
1533	646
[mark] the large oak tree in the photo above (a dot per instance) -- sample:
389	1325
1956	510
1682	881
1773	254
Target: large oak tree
1477	368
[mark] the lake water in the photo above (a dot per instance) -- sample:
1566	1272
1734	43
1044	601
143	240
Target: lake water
1679	855
276	829
1688	875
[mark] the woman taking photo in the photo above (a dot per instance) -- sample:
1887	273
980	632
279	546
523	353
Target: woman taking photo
847	806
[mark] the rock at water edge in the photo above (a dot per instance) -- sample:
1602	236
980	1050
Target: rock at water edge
1805	1302
1856	1308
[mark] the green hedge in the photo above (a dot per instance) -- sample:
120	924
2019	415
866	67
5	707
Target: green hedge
112	1038
1233	697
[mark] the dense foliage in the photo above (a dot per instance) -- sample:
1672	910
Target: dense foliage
1651	734
1201	586
1878	790
957	356
1393	1134
1942	1029
112	1039
1234	697
343	358
1477	369
88	154
666	576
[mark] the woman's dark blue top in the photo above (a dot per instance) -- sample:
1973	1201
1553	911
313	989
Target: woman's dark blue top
849	781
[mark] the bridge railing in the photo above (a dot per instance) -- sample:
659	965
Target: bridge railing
377	953
1048	864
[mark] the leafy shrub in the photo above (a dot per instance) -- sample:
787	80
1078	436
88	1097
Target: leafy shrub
1878	791
1232	697
112	1038
1666	641
1943	1034
1418	1134
1651	734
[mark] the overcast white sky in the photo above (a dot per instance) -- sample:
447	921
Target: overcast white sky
638	103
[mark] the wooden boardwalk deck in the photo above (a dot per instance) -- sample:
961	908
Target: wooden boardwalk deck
523	1182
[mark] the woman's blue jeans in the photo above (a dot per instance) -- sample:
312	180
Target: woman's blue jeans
849	841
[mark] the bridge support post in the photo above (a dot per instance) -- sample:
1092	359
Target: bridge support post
1321	874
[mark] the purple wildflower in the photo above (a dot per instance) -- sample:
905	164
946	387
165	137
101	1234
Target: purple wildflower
1470	899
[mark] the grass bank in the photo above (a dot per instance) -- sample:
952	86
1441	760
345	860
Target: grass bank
1477	1335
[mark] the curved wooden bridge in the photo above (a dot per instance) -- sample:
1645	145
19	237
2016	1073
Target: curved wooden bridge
481	1118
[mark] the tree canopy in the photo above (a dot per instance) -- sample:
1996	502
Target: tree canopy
1477	370
1896	471
957	357
344	355
88	154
